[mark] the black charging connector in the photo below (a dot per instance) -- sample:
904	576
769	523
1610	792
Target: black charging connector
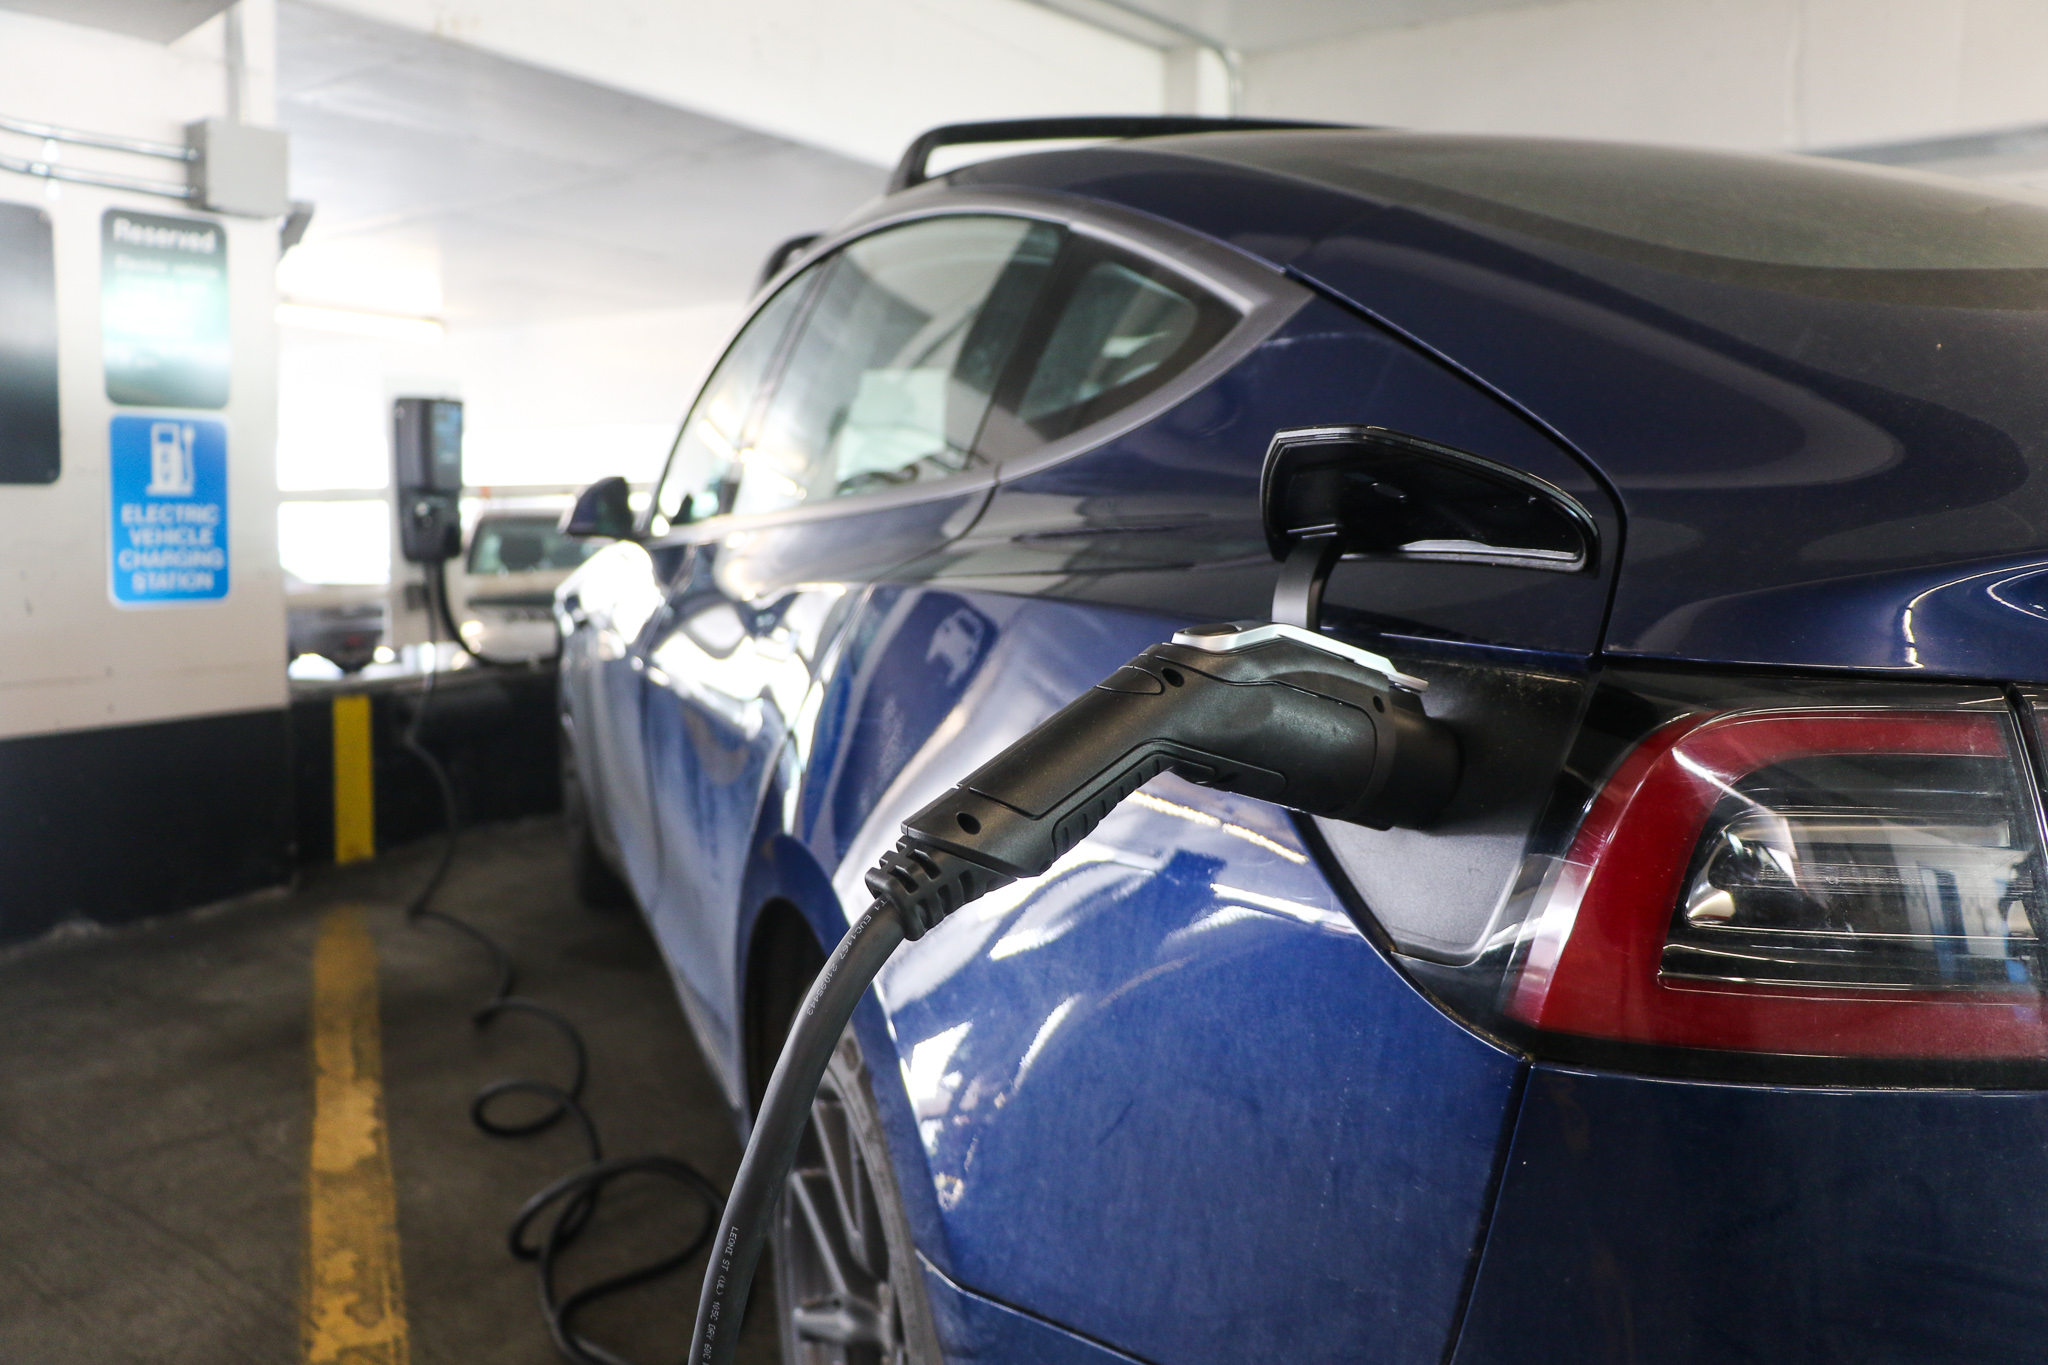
1268	710
1264	710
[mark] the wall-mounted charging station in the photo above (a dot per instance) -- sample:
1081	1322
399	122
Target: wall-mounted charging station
426	506
426	448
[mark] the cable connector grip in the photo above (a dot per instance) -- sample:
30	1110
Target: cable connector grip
923	885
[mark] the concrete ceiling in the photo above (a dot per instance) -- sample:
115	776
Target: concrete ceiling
161	20
1261	25
453	183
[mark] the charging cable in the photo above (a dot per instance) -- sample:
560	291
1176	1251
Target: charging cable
1266	710
562	1210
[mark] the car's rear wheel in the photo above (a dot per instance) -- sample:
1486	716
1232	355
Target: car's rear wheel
848	1288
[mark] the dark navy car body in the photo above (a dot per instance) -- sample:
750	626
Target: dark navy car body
1227	1086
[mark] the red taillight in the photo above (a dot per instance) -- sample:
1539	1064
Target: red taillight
1836	883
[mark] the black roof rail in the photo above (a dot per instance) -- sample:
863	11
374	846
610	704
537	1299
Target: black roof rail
911	169
788	251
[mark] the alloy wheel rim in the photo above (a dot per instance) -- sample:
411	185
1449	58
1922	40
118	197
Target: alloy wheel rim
832	1254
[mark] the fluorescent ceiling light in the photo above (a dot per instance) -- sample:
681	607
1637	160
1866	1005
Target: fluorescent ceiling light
387	326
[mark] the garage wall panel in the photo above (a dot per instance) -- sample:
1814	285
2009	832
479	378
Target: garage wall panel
144	749
70	658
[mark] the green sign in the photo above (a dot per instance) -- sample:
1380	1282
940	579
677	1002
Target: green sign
164	310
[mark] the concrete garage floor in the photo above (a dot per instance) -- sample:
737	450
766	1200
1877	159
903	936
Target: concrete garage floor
154	1118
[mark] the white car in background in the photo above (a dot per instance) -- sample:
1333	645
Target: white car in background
503	591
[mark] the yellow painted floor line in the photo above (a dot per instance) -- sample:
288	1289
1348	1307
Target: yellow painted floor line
355	1296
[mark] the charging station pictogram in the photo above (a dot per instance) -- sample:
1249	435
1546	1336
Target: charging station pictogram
168	480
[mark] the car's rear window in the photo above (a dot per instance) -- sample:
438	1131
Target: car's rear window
1794	222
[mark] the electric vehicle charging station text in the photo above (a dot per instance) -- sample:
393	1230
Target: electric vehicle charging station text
168	487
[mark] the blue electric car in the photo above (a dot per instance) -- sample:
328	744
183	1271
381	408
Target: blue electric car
1708	495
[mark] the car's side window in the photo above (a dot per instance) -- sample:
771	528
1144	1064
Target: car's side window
897	358
1119	327
703	466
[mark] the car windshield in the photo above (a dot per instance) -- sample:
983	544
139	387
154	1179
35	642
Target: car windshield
504	545
1795	223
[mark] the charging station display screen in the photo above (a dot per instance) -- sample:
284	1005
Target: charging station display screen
168	541
29	450
164	310
426	441
444	446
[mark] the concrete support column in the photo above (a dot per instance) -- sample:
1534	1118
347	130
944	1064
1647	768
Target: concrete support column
1196	82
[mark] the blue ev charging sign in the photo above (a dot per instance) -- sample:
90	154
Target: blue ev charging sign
169	486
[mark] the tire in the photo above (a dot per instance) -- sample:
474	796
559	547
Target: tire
597	884
848	1290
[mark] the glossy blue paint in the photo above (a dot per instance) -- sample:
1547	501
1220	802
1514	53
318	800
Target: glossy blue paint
1660	1223
911	657
1176	1040
723	683
1777	512
616	595
727	668
1166	517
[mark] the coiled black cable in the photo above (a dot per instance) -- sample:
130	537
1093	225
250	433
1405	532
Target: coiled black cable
573	1199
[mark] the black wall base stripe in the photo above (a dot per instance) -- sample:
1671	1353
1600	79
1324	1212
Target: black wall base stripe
112	825
496	733
116	824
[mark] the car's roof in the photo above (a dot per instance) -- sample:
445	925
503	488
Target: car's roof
1694	209
1743	215
1814	386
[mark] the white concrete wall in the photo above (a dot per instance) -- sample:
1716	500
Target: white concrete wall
1760	74
858	78
573	401
1196	82
546	403
69	659
557	403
